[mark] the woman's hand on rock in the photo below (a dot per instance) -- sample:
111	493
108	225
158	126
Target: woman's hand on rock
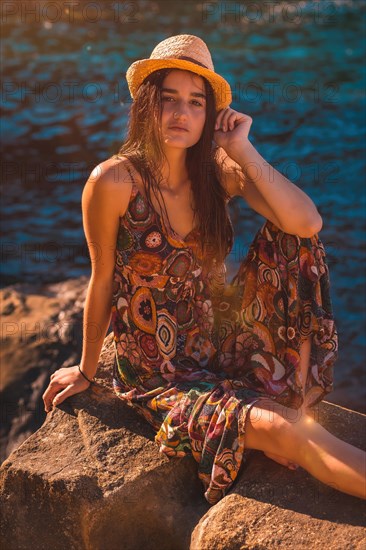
63	383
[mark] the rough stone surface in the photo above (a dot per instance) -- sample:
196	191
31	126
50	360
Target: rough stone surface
41	331
92	478
273	507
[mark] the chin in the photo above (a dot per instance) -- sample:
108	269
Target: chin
178	143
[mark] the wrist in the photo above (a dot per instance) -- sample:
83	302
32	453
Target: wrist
241	152
91	381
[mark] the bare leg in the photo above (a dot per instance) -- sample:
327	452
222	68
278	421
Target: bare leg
275	429
305	350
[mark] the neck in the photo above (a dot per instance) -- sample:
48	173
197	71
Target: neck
174	171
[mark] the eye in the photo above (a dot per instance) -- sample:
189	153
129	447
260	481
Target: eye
164	98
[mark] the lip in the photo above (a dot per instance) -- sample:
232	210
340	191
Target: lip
178	128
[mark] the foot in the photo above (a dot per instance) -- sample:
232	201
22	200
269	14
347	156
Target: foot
283	461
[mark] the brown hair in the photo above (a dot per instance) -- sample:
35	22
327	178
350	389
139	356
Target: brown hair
143	147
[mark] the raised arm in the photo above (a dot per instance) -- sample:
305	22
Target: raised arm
265	189
233	179
269	193
104	199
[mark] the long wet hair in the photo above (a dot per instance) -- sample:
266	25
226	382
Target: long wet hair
143	146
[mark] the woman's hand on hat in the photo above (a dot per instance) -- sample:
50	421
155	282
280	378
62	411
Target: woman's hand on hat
231	129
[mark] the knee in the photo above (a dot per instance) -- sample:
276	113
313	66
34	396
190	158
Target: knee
276	425
290	430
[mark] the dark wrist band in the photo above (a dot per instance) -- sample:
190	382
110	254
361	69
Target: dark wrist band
86	378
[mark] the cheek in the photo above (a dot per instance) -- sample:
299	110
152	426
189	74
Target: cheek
202	121
166	110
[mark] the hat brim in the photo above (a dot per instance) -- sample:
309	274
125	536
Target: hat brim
140	69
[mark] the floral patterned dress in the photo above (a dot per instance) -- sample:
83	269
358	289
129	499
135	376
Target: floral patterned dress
193	353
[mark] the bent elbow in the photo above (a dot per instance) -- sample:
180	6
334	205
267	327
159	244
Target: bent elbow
314	227
318	224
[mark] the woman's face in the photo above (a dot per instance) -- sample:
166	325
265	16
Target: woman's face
183	104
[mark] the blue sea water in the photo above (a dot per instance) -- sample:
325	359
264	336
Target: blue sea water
297	68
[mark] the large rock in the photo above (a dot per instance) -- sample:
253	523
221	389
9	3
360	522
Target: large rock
41	331
91	478
273	507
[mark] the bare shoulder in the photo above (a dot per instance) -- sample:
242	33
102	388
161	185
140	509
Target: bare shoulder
110	180
229	173
104	201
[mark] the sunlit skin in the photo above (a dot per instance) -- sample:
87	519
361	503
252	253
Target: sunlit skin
185	106
300	441
182	105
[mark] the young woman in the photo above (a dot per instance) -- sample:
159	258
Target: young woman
215	368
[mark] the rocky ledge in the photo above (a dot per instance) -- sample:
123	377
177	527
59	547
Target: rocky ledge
41	331
91	478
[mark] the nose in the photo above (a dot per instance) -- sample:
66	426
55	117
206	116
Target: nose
178	114
179	111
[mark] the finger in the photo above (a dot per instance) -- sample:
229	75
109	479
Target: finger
47	400
48	396
57	373
64	394
228	119
234	122
230	122
219	118
54	385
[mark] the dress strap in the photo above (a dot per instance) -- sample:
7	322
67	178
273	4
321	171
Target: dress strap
130	171
135	188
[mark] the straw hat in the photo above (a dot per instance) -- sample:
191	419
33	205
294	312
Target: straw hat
186	52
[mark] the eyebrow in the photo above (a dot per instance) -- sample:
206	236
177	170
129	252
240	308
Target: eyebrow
194	94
